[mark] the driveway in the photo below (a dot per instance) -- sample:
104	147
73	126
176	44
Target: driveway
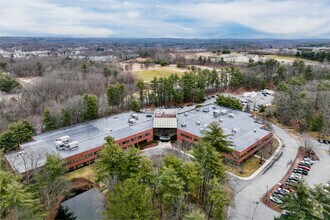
247	193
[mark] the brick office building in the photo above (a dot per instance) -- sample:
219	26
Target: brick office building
134	129
247	135
125	129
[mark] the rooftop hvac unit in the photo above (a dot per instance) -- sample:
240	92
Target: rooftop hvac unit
205	126
183	124
20	153
64	139
72	145
198	122
131	121
223	111
220	120
231	115
234	130
202	130
59	145
216	113
116	117
135	116
206	109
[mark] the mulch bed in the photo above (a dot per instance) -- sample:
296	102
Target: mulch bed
266	197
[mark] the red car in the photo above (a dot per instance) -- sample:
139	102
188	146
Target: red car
304	167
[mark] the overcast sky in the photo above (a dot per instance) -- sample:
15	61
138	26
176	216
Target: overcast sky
172	18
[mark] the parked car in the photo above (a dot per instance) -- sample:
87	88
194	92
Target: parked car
294	177
305	164
278	195
288	189
301	171
310	160
304	167
276	200
281	192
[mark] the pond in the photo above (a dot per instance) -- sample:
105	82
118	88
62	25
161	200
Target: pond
84	206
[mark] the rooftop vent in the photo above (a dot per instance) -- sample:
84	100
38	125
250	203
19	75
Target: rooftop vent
234	130
231	115
183	124
116	117
131	121
206	109
135	116
220	119
72	145
186	114
20	153
64	139
255	130
198	122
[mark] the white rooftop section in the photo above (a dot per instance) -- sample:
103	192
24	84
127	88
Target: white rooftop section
89	135
245	131
165	118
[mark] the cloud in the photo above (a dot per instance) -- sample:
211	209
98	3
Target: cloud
133	14
173	18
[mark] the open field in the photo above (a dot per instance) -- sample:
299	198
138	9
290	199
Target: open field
148	75
87	172
288	58
248	168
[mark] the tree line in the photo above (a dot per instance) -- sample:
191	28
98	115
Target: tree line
319	56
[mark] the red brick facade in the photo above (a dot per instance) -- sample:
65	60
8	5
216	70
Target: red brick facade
89	156
241	157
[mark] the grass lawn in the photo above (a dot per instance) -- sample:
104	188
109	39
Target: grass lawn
148	75
249	167
87	172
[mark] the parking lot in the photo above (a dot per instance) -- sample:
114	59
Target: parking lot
321	167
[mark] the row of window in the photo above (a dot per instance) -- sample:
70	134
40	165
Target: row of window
80	158
188	137
135	138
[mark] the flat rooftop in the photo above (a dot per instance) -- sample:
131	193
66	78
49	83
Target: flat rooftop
89	135
241	122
